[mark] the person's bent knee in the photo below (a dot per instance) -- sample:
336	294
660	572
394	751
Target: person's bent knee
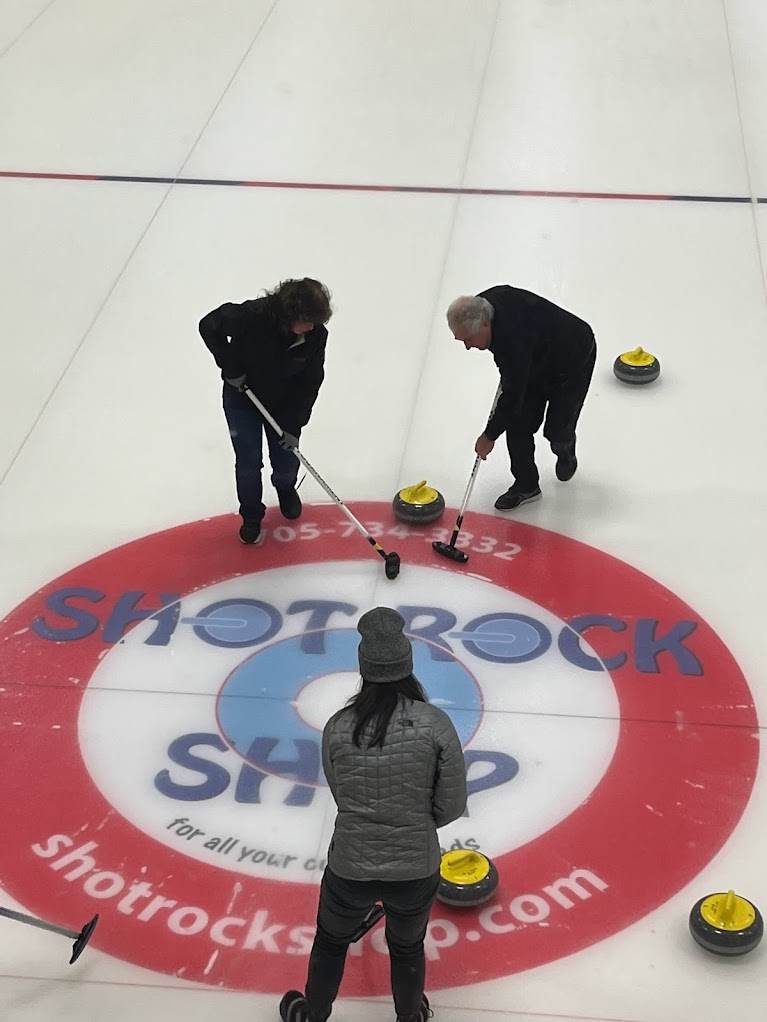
328	944
402	950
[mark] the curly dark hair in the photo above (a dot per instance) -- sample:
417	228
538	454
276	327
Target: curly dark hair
305	300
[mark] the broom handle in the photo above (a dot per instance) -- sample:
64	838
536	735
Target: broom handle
473	476
19	917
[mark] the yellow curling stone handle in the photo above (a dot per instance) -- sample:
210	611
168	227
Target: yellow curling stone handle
419	494
464	867
637	357
728	911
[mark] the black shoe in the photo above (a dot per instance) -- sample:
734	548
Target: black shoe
250	532
425	1012
294	1007
514	498
566	466
290	503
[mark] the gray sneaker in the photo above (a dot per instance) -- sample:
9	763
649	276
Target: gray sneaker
514	498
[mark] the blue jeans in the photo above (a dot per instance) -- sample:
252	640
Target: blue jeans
343	906
246	428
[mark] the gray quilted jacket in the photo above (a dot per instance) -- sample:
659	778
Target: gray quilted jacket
391	800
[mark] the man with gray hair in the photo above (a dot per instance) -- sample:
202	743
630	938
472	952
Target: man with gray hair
546	357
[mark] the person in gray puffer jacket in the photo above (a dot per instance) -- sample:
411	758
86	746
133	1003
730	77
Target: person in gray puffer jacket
396	771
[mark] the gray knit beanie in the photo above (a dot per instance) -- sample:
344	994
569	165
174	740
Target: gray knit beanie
385	654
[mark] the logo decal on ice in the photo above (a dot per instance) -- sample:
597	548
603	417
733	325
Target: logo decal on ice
163	707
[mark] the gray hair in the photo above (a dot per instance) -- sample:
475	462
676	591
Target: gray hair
469	311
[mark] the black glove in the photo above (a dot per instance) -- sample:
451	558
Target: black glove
288	442
238	382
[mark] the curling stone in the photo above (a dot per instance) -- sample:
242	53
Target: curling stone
637	366
466	879
419	503
726	924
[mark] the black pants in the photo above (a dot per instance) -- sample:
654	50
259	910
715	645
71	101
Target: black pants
246	428
343	906
565	401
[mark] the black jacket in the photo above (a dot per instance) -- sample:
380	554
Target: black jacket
247	340
537	347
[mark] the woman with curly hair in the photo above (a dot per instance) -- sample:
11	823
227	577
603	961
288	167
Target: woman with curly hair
275	345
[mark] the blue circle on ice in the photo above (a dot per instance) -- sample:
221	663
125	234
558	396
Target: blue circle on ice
256	709
507	638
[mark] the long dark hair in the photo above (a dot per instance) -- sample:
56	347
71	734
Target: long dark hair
376	702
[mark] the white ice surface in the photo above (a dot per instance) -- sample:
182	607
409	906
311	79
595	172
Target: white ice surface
110	421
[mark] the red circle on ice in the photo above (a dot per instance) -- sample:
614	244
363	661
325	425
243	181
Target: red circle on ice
678	783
